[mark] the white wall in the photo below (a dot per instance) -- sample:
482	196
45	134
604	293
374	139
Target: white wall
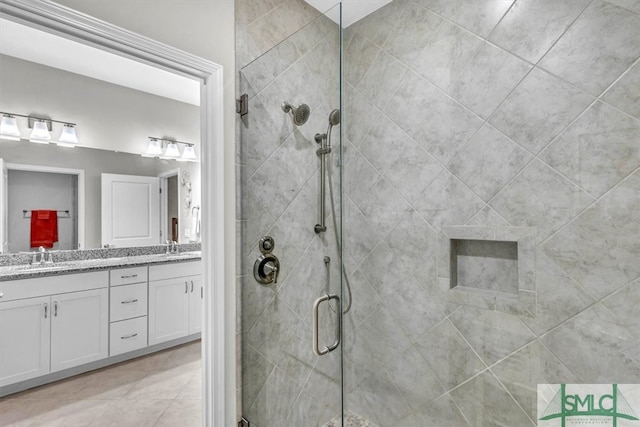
205	28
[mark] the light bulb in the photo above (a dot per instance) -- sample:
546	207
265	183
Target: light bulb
9	128
40	133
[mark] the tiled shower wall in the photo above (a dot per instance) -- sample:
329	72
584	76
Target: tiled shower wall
493	116
287	52
498	118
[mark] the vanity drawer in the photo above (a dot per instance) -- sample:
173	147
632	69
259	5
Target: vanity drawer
175	269
128	301
126	276
128	335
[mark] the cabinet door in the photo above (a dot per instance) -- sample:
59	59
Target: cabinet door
24	339
195	304
168	309
79	328
130	210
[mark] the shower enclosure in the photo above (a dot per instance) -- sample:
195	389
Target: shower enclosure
291	327
484	164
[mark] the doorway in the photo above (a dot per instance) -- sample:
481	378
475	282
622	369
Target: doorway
217	387
170	212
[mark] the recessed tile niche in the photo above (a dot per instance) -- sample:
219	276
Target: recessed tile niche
485	265
489	267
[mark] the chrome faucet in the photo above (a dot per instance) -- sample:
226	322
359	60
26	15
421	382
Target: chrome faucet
43	259
171	247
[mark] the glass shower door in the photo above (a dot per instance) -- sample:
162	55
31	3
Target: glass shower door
290	222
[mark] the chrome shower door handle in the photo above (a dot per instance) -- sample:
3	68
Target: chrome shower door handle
336	343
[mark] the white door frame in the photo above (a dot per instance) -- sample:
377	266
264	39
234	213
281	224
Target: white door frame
4	238
53	18
164	195
64	171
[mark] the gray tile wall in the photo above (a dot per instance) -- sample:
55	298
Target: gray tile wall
490	113
485	113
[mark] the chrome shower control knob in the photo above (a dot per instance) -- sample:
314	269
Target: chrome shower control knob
266	244
266	269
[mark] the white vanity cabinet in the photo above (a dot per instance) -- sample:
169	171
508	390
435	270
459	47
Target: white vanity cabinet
128	310
196	296
175	301
24	334
79	328
64	324
52	323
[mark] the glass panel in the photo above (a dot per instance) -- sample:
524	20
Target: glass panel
290	136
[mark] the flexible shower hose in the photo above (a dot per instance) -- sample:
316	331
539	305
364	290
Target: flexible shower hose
335	234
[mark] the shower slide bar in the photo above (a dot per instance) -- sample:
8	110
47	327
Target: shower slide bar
336	343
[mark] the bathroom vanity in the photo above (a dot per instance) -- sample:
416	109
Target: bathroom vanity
61	320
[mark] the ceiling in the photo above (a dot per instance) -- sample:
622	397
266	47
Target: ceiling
38	46
352	10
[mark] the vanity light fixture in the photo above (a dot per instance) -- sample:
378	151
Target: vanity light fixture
68	137
41	128
154	148
165	148
9	128
171	151
188	154
40	133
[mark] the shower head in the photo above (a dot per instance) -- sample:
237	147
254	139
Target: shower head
300	115
334	117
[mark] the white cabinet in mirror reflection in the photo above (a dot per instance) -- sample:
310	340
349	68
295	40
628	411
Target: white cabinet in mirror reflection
130	210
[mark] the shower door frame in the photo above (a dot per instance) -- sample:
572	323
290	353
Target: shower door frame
218	354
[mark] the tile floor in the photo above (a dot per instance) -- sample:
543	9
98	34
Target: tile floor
350	420
162	389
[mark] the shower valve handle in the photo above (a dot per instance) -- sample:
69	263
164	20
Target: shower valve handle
266	269
271	269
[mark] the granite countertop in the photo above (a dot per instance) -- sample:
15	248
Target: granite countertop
26	271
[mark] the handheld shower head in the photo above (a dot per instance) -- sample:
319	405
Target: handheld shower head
334	117
300	115
334	120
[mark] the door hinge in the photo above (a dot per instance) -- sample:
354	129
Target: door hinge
242	105
244	423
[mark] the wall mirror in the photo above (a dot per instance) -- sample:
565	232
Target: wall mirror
116	104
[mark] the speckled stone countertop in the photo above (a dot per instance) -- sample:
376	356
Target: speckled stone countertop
17	266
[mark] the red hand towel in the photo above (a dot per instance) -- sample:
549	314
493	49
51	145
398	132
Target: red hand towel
44	228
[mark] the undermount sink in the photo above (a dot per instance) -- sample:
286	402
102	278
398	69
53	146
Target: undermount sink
40	268
182	254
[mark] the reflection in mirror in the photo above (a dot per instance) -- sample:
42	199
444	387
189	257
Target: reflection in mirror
30	189
113	123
